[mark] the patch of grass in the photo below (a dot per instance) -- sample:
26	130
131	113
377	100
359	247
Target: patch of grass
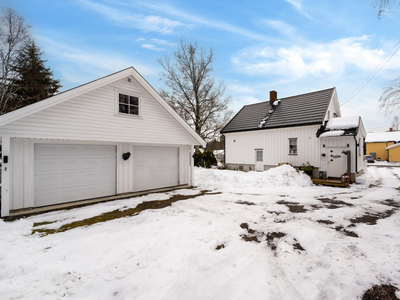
116	214
43	223
381	292
391	202
271	236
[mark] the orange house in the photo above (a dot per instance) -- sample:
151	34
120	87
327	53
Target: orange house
378	142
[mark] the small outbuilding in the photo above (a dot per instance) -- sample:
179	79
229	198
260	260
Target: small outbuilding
393	153
377	142
111	136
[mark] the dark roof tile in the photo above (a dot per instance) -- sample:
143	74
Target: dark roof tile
297	110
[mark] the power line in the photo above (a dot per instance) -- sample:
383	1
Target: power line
374	72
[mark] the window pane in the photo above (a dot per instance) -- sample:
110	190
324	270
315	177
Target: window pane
123	98
259	156
293	146
134	101
134	110
123	108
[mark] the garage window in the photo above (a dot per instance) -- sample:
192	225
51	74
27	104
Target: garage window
128	104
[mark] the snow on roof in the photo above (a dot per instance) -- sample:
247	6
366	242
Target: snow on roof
343	123
332	133
392	146
377	137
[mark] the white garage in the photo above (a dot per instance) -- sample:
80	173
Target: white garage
155	167
73	146
65	173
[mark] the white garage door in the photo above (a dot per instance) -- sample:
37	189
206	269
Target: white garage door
65	173
155	167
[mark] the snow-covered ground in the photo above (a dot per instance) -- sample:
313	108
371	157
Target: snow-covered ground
270	235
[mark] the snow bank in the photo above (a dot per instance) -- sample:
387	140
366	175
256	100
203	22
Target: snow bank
280	176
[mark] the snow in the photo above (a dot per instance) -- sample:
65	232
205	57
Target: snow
343	123
392	146
170	253
332	133
376	137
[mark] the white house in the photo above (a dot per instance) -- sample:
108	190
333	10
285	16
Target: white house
70	147
296	130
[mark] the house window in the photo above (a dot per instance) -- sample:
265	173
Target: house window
259	155
293	146
128	104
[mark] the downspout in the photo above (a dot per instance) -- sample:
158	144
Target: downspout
356	153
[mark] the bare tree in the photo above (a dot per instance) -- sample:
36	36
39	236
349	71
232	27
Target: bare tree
14	38
193	93
390	98
384	5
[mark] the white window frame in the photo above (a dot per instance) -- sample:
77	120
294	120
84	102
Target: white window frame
294	153
117	93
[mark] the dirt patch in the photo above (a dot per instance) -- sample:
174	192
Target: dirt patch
245	202
391	202
252	236
327	222
116	214
333	202
372	218
276	212
272	238
346	232
297	246
219	247
294	207
381	292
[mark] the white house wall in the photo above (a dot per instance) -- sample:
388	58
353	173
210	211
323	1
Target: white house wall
240	146
22	168
93	116
333	108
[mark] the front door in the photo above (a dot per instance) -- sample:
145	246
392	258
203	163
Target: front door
259	160
337	162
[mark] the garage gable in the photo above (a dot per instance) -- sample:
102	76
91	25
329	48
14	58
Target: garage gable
121	107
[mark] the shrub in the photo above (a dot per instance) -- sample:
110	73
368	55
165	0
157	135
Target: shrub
205	159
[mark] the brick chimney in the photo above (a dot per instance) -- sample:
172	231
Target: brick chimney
273	95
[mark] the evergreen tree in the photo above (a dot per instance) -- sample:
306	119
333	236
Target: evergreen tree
35	82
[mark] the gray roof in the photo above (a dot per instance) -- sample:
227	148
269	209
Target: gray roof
292	111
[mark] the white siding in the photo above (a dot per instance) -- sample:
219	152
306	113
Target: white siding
333	108
93	116
275	143
22	168
337	142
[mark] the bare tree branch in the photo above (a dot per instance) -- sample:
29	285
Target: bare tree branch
193	93
14	38
390	98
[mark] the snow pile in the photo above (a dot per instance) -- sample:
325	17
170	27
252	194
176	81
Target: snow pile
284	175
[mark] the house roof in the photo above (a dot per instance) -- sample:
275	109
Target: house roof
90	86
382	137
392	146
300	110
343	126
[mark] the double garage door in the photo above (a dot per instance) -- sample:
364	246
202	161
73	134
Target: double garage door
65	173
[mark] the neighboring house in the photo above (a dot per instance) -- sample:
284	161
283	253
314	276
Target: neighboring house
296	130
377	142
70	147
393	152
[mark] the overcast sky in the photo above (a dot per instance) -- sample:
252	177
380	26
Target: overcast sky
291	46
